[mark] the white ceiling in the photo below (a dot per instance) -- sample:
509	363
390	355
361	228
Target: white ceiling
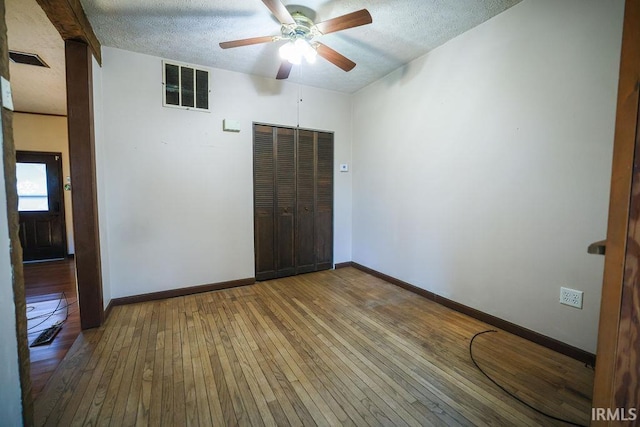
190	30
36	89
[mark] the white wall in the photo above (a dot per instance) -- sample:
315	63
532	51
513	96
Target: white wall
10	390
101	185
177	191
481	171
36	132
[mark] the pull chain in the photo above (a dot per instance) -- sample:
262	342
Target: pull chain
299	93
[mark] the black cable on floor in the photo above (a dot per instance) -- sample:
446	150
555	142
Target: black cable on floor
507	391
31	333
47	316
66	301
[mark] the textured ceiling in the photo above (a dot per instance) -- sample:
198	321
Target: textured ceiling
36	89
190	30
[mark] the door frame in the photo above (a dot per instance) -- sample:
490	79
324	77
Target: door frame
80	41
616	378
80	119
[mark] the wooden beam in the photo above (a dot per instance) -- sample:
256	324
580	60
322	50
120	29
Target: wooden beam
614	353
71	22
19	299
84	197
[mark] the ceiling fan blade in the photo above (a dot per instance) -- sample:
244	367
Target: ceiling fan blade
285	69
247	42
334	57
279	11
350	20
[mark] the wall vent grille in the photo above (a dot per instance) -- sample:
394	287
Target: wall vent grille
185	86
27	58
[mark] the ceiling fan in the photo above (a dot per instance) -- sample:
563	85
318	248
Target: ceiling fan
300	32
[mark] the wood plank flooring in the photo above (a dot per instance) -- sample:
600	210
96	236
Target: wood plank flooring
336	347
46	281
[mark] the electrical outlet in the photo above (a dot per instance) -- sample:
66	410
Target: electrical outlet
571	297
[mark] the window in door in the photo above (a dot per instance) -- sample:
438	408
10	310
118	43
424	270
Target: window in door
32	187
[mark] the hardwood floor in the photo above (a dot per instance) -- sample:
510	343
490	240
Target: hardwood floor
335	347
46	281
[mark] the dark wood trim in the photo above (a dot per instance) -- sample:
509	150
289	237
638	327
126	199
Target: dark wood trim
343	265
71	22
84	194
40	153
40	114
172	293
621	252
13	225
543	340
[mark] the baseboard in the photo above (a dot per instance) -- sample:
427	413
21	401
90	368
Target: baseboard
107	311
343	265
543	340
172	293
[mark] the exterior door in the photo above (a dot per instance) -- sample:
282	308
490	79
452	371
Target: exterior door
40	205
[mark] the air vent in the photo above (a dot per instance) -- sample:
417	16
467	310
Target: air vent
185	87
27	58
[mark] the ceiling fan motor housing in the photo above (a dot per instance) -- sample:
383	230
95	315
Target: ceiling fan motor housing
304	28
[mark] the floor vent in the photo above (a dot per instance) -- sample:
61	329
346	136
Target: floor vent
27	58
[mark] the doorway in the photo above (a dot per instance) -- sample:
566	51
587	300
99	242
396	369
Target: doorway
70	63
40	206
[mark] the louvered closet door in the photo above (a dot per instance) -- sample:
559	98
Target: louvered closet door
305	216
324	201
264	202
285	202
293	199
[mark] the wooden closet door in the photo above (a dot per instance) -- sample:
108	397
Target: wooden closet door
293	201
305	216
264	201
324	201
285	202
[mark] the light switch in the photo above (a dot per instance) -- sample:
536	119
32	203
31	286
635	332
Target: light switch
230	125
7	100
344	167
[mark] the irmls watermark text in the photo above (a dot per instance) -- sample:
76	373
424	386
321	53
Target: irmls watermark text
617	414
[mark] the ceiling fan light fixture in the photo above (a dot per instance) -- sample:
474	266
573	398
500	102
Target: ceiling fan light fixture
294	51
288	53
310	53
300	34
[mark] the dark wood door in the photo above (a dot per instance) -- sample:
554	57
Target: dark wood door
324	201
285	202
305	219
40	205
264	201
293	201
